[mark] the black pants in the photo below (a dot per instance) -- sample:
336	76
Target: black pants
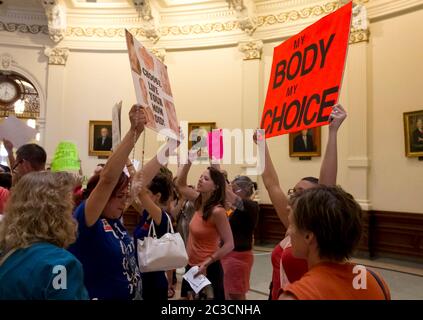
154	286
215	276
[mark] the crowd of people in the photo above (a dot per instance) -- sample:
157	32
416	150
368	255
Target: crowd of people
61	241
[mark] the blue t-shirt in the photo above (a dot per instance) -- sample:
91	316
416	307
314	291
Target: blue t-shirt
42	271
107	254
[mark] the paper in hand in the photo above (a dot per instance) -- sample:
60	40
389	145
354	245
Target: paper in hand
198	282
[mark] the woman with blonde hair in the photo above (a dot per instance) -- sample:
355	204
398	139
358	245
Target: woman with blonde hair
33	234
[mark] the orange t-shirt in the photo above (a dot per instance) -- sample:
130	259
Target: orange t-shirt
335	281
203	239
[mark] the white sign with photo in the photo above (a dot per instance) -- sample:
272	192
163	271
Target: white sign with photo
152	87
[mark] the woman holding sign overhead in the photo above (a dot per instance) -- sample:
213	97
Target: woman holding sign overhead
103	245
287	268
208	227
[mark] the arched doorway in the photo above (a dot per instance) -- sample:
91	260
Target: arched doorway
20	98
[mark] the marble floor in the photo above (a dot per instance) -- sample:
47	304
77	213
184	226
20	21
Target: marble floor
404	278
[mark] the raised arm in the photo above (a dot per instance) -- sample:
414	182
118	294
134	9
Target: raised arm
181	183
144	176
110	174
224	229
271	183
329	167
175	210
153	209
8	145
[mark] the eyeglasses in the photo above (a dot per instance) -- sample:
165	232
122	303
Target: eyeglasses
17	163
292	193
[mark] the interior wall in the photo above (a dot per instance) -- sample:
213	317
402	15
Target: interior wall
207	85
396	68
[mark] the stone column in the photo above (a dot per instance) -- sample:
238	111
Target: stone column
57	58
358	161
251	89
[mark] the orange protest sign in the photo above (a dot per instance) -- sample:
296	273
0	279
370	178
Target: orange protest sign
306	75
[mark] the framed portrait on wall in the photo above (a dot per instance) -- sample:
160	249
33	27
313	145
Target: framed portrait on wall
100	138
305	143
197	134
413	133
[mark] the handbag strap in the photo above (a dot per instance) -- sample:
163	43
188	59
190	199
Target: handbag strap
169	224
152	228
379	282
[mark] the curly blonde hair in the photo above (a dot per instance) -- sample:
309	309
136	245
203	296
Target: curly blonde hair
39	210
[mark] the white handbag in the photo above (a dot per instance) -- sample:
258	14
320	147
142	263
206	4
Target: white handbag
165	253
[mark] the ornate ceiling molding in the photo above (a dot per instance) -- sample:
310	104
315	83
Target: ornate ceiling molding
23	28
359	25
229	31
160	53
357	36
295	15
251	49
245	15
151	31
57	56
144	9
56	18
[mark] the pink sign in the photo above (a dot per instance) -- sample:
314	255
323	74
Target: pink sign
215	144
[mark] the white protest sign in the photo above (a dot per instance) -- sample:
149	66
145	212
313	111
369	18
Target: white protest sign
152	88
16	131
116	124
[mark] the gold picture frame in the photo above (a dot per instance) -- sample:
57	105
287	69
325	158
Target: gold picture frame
413	133
98	146
310	146
193	140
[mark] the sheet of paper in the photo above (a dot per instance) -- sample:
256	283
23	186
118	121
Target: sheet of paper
16	131
116	124
197	283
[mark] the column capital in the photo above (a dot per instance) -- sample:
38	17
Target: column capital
359	25
160	53
57	56
251	49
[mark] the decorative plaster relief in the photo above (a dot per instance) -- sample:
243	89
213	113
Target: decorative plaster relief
251	49
6	61
57	56
56	17
160	53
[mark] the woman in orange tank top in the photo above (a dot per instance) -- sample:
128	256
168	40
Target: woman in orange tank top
210	236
